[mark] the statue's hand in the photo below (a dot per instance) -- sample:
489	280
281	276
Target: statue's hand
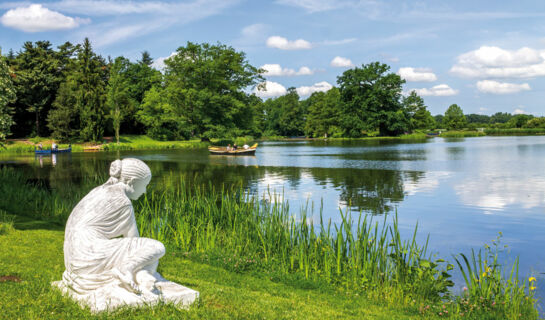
127	280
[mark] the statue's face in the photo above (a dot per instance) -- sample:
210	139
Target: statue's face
139	187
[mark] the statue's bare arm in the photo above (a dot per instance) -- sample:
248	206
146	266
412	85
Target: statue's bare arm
133	228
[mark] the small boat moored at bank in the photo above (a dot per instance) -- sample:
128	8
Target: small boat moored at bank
250	151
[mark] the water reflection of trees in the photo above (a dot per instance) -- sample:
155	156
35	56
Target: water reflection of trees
374	191
370	190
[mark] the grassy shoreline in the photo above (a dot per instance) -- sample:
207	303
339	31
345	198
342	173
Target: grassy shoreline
359	261
142	142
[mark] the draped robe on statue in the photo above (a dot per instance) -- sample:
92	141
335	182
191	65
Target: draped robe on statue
101	236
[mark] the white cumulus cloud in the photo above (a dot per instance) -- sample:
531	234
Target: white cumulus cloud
416	74
272	89
285	44
275	70
341	62
519	110
495	62
36	18
495	87
317	87
440	90
159	63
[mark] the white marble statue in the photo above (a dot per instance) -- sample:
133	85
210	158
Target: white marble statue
107	264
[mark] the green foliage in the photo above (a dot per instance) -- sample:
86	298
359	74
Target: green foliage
461	134
519	120
514	131
420	117
7	95
454	118
488	286
118	100
538	122
6	222
284	115
204	86
371	100
39	72
323	114
500	117
477	118
80	104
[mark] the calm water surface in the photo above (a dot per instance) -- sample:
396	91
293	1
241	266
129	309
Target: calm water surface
461	192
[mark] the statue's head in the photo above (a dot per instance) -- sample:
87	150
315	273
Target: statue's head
133	173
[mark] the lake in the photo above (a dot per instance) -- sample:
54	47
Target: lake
461	192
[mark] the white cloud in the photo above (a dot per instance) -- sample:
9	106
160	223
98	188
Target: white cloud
314	5
317	87
159	63
495	62
272	89
253	30
36	18
519	110
416	74
285	44
338	42
341	62
437	91
495	87
275	70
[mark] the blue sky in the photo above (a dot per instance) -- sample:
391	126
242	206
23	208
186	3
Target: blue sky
486	56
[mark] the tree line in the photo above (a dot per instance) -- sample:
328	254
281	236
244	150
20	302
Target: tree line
205	91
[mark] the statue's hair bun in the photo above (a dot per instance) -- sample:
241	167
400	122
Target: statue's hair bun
115	169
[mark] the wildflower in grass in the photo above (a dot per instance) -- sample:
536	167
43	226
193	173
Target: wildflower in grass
532	288
484	274
531	279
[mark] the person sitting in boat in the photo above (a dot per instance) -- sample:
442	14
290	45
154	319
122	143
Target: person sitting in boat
40	146
235	146
54	146
246	147
229	147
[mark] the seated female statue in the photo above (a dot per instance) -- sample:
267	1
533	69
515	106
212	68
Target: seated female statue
107	263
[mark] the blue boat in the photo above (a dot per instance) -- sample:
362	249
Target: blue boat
50	151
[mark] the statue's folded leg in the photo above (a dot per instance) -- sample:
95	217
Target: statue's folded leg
144	255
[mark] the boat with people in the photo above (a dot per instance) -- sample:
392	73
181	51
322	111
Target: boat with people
233	151
50	151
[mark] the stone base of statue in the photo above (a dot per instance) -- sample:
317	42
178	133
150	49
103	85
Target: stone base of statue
114	295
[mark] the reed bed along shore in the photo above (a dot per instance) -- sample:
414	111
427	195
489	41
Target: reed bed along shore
363	255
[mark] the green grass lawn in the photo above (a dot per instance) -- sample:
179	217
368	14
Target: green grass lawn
32	252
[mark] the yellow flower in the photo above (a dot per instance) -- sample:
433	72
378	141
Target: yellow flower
531	279
532	288
484	274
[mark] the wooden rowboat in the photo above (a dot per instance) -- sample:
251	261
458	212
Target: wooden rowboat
238	152
92	148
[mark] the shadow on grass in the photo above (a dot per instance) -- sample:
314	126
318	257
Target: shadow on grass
27	223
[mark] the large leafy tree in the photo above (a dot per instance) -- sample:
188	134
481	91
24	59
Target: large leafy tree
454	118
284	115
39	72
82	96
205	85
140	78
323	113
7	95
370	98
420	117
519	120
118	99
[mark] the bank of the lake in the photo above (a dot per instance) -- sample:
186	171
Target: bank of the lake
356	260
31	258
